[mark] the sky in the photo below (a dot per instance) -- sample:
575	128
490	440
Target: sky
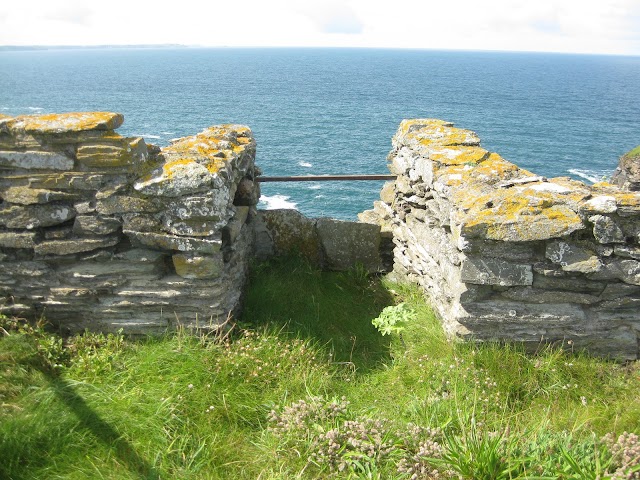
577	26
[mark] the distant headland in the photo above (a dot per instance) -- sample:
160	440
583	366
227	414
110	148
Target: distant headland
86	47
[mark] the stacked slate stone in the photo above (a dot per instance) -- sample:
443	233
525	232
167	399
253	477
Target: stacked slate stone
104	232
508	255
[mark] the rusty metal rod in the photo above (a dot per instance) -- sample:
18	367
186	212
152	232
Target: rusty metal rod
324	178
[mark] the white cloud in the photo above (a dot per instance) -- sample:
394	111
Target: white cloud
73	12
332	17
585	26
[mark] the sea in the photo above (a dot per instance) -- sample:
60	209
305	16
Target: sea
333	111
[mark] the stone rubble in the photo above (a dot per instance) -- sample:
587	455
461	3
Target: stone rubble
104	232
507	255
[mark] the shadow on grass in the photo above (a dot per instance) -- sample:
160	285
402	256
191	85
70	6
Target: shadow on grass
331	308
100	429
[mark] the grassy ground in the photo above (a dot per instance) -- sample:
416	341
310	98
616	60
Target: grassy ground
306	387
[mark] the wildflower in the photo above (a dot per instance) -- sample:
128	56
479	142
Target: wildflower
190	386
583	400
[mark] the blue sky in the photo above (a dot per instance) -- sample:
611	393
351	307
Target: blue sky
579	26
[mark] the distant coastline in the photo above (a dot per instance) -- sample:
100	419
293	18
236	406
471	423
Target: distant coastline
85	47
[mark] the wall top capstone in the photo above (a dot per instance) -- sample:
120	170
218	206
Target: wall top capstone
494	198
61	122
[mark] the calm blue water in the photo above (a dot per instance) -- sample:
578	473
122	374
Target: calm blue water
316	111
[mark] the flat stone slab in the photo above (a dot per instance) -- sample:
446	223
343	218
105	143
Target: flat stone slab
198	266
36	160
35	196
71	246
174	242
62	122
32	216
17	239
493	271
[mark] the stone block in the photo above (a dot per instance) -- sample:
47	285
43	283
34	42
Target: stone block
51	124
535	295
174	242
515	224
564	281
103	156
198	266
493	271
521	252
33	216
59	232
75	245
348	244
231	231
119	204
626	270
35	196
28	269
510	320
606	230
200	215
247	193
36	160
176	179
17	239
617	290
95	225
79	181
120	268
601	204
627	251
140	222
286	232
572	257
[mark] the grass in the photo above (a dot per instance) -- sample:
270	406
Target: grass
634	152
306	387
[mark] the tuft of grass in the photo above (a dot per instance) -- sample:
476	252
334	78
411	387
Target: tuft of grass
306	387
634	152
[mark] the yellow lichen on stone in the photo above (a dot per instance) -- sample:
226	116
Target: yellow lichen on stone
408	126
194	163
458	155
441	135
64	122
215	165
450	175
170	168
625	199
515	215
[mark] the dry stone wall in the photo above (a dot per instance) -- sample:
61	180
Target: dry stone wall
325	242
105	232
102	231
505	254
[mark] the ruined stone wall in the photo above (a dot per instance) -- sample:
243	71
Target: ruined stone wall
102	231
505	254
327	243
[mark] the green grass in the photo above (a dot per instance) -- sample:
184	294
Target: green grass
306	387
634	152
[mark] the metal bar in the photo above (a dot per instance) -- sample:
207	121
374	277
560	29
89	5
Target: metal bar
325	178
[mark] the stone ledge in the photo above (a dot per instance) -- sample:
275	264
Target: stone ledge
61	123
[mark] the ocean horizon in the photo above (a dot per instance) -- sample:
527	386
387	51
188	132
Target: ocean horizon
334	110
